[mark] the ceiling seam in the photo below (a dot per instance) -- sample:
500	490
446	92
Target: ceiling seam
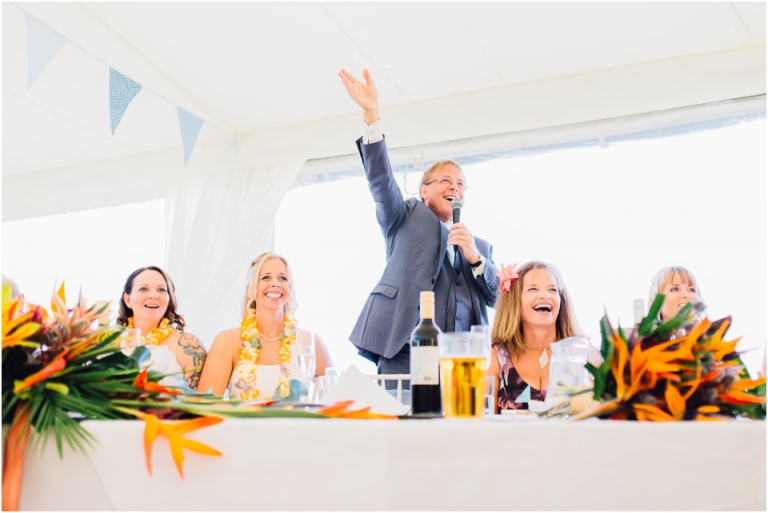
738	16
482	48
379	68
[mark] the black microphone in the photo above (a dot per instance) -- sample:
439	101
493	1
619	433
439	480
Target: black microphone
456	205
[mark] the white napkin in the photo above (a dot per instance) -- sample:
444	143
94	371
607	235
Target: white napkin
356	386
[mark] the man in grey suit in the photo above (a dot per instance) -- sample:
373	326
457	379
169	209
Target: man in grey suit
420	239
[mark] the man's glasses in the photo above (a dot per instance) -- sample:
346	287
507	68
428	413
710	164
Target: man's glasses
446	182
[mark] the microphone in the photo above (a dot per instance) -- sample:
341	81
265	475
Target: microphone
456	205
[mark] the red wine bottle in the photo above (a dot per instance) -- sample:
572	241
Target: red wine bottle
425	362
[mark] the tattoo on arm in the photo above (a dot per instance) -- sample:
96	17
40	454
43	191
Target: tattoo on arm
191	346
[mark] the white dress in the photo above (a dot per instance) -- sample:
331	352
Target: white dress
267	381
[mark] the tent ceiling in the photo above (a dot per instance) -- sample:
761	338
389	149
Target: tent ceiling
245	67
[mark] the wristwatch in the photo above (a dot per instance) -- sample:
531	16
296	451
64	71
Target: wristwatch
477	264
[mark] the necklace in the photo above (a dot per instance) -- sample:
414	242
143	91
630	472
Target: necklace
543	359
157	335
245	371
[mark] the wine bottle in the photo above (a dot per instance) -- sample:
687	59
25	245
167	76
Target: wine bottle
425	361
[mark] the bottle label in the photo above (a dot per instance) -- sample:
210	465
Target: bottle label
425	366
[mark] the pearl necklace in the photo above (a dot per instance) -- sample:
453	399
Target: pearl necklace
157	335
245	371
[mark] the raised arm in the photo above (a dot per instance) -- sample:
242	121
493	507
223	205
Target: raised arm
364	94
390	207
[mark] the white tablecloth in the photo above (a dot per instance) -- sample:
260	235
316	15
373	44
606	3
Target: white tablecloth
310	464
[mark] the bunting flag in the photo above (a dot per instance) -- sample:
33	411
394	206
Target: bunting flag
42	45
190	126
122	90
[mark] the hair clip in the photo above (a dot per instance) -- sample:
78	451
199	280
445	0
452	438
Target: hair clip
508	277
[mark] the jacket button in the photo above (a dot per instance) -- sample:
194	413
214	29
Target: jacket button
458	283
433	281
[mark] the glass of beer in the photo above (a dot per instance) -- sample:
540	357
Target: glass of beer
463	357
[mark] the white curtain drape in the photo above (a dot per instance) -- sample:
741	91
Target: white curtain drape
216	224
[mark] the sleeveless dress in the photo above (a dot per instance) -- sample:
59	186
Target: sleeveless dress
514	393
267	379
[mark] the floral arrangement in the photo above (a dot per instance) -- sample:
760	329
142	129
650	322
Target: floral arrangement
678	369
61	367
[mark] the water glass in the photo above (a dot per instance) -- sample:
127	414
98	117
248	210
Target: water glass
303	363
567	371
322	388
486	330
463	356
129	340
333	374
490	395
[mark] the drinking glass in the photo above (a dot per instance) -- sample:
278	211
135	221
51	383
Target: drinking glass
129	340
490	395
463	355
333	374
322	388
567	371
303	362
486	330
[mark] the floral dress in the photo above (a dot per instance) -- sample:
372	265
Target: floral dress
514	393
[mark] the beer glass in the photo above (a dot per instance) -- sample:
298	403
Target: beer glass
463	356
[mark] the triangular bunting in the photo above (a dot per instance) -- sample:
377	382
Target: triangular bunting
122	90
42	46
190	126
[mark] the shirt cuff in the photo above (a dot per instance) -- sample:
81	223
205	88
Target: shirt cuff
480	269
372	133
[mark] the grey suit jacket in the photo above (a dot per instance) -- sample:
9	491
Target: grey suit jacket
415	244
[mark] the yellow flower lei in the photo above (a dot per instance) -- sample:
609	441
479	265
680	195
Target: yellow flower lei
157	335
245	370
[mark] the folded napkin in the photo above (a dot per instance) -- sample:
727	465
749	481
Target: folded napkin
356	386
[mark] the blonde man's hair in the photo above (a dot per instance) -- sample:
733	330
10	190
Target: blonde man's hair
507	329
669	275
254	272
431	171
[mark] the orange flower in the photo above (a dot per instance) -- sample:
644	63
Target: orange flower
150	386
341	410
172	430
46	372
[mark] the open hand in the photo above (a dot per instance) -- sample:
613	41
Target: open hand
364	94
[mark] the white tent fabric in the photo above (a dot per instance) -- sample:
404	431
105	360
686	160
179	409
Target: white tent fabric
216	223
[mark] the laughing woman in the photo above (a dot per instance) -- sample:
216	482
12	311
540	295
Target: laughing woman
252	361
149	304
533	310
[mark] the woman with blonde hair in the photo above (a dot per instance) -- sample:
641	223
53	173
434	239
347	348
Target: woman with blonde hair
679	287
533	310
149	304
253	361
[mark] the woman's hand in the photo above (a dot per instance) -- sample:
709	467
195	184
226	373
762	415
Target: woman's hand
365	95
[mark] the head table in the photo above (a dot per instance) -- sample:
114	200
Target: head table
437	464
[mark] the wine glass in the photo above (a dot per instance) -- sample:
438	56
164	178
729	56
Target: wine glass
303	362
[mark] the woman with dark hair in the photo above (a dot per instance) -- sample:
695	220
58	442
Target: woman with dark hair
533	310
253	361
149	304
